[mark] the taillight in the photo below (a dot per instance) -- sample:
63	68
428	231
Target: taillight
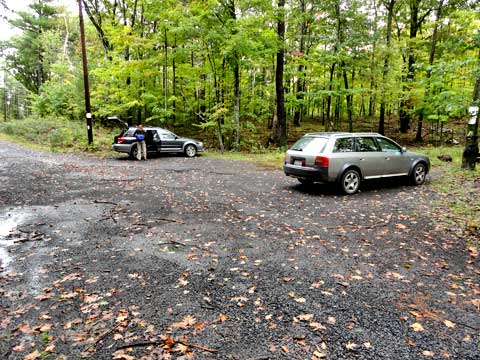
120	140
321	161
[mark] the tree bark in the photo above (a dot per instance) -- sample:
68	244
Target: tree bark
298	115
418	137
470	154
381	122
280	130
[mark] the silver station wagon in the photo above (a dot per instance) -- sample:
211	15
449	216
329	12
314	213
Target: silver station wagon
349	158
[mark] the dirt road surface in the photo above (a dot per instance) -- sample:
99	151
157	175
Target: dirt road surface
178	258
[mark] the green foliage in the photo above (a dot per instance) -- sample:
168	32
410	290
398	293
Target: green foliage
36	48
61	96
173	63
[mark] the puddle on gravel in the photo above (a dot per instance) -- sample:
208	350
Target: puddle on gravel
8	222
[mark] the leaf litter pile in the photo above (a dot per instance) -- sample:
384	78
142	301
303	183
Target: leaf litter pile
202	258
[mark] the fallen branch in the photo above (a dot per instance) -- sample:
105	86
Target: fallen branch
32	237
172	242
104	202
198	347
171	220
161	343
121	179
102	336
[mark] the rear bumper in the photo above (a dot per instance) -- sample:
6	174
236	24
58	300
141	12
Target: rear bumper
319	174
123	148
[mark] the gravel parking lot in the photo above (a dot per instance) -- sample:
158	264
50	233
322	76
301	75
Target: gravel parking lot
179	258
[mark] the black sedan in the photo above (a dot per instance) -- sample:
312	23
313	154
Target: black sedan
158	141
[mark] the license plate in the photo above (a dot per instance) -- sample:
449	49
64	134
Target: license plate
298	162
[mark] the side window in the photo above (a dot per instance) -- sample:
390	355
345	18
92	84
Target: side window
366	144
167	136
344	145
388	146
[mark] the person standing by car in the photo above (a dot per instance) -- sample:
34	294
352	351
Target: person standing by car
141	135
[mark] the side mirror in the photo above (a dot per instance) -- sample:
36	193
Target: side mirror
404	149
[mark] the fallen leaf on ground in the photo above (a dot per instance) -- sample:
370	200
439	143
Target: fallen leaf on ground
319	355
317	326
305	317
449	324
417	327
186	322
19	348
351	346
50	348
32	356
428	353
46	327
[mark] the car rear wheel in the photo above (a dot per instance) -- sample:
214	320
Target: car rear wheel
419	174
190	150
350	182
134	152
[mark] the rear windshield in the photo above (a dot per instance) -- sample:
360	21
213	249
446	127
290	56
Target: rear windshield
130	131
310	144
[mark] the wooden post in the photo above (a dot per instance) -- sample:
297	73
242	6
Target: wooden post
470	154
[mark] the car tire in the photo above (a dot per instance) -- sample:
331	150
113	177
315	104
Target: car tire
133	152
305	181
190	150
419	174
350	182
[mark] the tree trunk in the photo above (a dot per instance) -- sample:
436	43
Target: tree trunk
329	97
431	58
406	105
280	130
174	79
165	71
297	118
349	99
381	122
470	154
236	99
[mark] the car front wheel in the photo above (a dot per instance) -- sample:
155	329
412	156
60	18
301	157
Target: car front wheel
350	182
419	174
190	150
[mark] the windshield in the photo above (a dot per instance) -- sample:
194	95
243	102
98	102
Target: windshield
310	144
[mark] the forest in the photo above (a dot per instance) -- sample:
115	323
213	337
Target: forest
249	71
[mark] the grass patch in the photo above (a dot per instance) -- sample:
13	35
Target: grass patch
459	193
58	135
266	159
